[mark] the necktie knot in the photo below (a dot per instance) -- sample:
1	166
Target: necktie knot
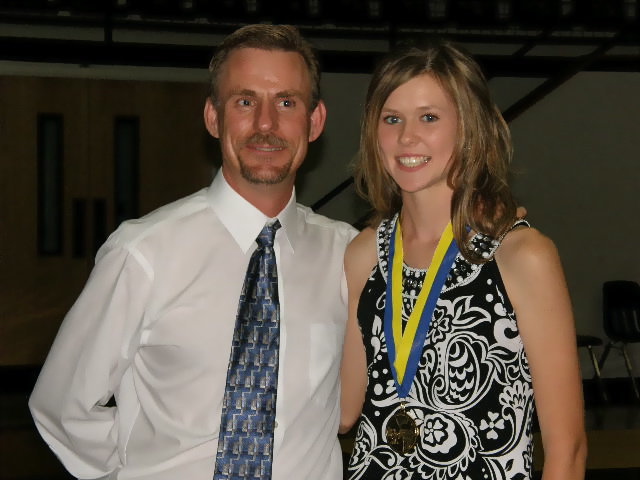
268	234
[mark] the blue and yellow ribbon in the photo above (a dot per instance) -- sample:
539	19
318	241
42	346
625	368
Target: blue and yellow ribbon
405	348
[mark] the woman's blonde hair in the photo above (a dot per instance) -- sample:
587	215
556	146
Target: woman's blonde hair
479	171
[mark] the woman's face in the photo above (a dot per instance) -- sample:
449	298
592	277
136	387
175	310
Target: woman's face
417	132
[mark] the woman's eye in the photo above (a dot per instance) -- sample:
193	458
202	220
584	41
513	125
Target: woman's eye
427	117
391	119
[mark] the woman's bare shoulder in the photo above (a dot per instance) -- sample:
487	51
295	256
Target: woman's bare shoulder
528	260
362	244
525	245
361	254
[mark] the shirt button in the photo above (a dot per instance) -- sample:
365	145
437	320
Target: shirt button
275	424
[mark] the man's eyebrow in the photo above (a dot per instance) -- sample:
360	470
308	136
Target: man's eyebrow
244	92
289	93
251	93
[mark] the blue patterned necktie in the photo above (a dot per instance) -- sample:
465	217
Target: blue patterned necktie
245	444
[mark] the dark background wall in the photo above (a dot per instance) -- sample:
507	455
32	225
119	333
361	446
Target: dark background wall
566	74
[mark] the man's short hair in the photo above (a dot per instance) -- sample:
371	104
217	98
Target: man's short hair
286	38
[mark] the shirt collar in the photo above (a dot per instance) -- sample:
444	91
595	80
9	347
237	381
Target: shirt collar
244	221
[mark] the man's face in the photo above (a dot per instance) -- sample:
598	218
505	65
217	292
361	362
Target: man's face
262	118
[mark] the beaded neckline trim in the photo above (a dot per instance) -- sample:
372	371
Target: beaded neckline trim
462	270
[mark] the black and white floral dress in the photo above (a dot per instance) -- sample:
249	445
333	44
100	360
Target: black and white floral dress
471	397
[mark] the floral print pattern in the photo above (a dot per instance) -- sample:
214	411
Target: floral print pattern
471	398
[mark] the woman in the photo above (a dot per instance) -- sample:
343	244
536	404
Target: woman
459	313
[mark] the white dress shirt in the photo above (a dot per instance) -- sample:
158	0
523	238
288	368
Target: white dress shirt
153	327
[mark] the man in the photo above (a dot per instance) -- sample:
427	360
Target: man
154	325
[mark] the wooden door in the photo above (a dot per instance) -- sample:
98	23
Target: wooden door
41	121
64	145
174	157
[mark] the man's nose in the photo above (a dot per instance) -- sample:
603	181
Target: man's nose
266	117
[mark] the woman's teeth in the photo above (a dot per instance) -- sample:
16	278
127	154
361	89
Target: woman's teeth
413	161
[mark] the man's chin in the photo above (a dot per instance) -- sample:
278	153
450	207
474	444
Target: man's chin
266	175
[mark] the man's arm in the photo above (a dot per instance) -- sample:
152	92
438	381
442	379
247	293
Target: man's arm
91	351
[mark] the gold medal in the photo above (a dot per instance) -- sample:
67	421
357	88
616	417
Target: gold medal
402	432
404	346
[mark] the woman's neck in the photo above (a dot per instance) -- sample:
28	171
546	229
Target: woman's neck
423	218
424	215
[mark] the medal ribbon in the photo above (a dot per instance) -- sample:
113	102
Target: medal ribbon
405	349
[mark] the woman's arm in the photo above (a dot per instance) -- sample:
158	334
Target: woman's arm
359	259
533	276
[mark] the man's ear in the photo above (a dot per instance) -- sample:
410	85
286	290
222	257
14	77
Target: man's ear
318	117
211	118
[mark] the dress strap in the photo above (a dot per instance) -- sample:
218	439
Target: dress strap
519	223
383	235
